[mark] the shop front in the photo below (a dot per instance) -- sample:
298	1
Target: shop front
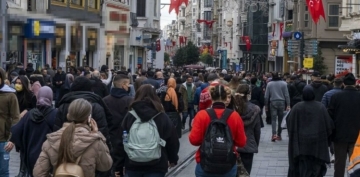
38	36
58	44
15	43
91	47
74	59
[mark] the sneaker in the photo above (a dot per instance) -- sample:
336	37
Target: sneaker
273	138
278	138
332	159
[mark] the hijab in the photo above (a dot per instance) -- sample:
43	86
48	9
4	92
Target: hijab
45	96
68	81
171	93
308	93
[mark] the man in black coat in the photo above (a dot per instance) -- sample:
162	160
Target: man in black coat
58	81
150	80
344	109
99	88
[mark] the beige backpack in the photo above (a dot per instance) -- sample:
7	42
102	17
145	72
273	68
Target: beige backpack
70	169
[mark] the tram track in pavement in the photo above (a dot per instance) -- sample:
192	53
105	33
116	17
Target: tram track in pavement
174	171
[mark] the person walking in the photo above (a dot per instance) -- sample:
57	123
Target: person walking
80	137
310	127
344	109
277	96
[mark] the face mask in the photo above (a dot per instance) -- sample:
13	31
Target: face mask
18	87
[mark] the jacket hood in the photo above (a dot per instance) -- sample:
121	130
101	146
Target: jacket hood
38	114
118	92
252	111
185	85
81	141
317	84
89	96
7	89
308	93
145	110
171	83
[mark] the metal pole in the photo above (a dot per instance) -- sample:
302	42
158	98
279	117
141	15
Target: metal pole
3	31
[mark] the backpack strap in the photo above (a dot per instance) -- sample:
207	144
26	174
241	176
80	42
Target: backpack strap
132	112
225	115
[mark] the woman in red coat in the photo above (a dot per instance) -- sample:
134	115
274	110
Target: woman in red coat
202	121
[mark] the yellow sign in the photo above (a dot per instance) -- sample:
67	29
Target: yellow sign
36	28
308	63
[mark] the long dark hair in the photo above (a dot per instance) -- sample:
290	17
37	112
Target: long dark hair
27	93
147	93
240	98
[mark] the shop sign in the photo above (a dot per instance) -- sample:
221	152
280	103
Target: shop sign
308	63
39	29
343	65
91	39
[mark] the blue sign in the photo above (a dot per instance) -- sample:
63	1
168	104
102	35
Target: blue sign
237	68
140	60
297	35
224	59
241	67
39	29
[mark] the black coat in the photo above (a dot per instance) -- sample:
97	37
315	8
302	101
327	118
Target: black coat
257	96
152	82
59	77
118	103
344	109
99	88
167	132
100	112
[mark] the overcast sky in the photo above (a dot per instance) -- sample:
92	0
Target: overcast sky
166	18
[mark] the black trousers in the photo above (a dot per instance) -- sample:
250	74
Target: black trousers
342	150
247	160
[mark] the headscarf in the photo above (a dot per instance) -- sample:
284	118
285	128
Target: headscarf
68	81
45	96
308	93
171	93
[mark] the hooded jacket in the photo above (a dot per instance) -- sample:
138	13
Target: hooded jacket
185	96
251	119
9	111
100	112
90	146
30	133
169	154
319	89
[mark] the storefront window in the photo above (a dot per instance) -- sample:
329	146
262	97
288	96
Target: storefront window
35	49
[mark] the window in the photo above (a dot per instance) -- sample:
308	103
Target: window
183	12
155	8
194	11
208	3
94	5
333	15
141	8
207	15
80	4
59	2
306	20
289	14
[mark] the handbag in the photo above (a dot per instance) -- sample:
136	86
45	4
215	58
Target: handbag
241	171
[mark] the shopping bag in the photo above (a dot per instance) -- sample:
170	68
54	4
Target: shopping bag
354	165
241	171
283	122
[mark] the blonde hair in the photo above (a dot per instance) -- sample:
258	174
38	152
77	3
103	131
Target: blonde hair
78	112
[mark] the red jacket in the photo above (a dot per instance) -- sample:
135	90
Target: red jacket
202	121
205	97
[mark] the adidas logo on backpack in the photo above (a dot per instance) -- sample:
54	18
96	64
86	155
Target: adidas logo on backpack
217	150
144	142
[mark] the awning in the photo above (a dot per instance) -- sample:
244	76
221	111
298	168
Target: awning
352	46
287	34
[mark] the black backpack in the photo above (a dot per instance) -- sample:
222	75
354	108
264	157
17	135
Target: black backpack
217	150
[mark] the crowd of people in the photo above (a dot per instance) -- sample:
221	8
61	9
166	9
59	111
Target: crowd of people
117	123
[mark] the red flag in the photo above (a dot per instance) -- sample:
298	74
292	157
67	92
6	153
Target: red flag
175	5
281	29
158	45
211	50
247	41
316	9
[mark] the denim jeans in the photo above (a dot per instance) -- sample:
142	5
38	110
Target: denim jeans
190	112
277	109
199	172
144	174
4	164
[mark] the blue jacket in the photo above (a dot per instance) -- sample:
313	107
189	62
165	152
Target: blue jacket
327	96
198	92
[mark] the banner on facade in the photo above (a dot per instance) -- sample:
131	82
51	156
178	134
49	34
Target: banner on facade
343	65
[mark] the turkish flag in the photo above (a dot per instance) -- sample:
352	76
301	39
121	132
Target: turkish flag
247	41
158	45
175	5
281	29
316	9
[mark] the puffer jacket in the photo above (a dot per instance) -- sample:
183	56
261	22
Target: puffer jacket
252	126
90	146
100	112
9	111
